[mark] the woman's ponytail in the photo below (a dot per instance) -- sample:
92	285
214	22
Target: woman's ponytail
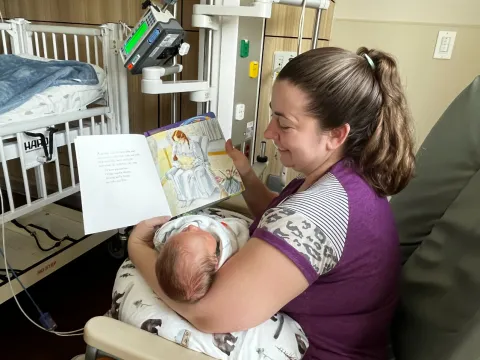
365	91
388	159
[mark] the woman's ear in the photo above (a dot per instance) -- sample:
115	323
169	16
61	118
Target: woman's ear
338	136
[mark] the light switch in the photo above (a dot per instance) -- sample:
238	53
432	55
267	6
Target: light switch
444	46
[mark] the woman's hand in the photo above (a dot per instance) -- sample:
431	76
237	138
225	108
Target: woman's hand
145	230
142	253
239	159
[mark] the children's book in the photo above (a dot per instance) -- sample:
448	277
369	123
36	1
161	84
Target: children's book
170	171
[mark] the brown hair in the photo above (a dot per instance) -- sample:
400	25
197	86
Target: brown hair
195	280
344	87
180	135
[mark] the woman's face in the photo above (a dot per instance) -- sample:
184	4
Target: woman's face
301	144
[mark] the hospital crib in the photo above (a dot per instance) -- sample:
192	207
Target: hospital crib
40	235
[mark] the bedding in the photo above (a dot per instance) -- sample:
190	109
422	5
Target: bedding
58	99
133	302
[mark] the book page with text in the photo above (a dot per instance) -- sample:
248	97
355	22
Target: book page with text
118	181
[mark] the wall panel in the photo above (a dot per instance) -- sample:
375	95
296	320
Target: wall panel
190	72
285	22
48	10
187	12
75	11
99	12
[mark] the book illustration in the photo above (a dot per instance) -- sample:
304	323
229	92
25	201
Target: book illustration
231	181
191	161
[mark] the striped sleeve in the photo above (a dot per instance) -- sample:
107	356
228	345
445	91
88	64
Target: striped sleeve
309	227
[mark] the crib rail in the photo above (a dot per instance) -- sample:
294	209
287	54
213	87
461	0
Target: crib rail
5	38
64	43
27	187
49	182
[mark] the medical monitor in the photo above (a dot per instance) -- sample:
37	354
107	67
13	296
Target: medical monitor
154	41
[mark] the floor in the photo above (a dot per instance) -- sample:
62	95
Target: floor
72	295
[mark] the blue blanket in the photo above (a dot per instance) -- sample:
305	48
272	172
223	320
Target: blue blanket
21	79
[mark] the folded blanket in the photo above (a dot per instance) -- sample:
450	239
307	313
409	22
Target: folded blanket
231	233
22	78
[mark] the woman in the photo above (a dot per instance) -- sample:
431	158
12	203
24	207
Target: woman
191	175
325	250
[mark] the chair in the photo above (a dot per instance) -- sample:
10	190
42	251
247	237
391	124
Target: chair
438	217
203	141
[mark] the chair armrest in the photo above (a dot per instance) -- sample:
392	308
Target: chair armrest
128	342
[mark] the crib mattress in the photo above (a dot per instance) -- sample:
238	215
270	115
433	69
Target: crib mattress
57	99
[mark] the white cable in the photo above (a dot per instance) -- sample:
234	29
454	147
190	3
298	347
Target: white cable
67	333
300	27
126	29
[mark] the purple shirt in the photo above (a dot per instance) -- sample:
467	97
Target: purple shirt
343	238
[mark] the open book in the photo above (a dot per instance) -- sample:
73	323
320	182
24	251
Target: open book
127	178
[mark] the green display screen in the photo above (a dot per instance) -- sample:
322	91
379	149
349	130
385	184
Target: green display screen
142	29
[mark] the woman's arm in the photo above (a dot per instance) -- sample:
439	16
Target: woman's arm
141	250
248	289
256	194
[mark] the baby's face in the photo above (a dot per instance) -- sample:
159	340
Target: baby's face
196	240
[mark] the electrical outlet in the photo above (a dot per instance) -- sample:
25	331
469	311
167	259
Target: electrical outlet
281	58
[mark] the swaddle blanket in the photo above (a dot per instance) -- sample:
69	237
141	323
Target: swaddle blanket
135	303
22	78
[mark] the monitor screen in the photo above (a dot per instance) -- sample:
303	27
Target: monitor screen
130	45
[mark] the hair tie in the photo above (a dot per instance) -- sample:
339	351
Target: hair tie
370	61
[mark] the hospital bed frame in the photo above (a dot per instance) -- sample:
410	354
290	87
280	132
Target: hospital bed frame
109	116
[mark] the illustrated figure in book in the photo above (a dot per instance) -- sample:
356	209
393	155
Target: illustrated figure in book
230	183
190	174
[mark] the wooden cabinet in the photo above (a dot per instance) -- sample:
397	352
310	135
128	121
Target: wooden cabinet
76	11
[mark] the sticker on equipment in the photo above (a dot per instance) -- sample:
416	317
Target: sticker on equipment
169	40
154	52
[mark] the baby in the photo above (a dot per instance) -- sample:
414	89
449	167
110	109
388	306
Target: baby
191	249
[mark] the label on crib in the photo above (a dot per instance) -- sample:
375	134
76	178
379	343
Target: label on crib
34	150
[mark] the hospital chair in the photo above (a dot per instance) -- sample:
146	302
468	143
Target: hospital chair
438	217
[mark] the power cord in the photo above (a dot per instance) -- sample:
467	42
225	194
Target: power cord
300	27
48	324
47	232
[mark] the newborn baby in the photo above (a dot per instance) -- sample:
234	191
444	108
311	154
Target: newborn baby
191	249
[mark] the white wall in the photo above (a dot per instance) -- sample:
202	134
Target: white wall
408	30
464	12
